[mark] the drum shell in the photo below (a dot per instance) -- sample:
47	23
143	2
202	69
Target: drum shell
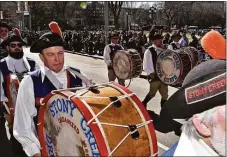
145	145
127	64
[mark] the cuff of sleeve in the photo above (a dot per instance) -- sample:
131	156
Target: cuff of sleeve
31	149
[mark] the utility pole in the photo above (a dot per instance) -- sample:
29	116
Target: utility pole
106	19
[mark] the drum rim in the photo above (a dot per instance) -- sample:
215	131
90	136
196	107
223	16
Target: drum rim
97	135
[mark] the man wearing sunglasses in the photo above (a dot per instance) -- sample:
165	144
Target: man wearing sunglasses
15	63
108	55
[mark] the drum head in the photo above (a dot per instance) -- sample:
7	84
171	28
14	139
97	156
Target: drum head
169	67
63	130
121	65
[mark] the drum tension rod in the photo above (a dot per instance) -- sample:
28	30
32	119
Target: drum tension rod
116	103
94	89
134	132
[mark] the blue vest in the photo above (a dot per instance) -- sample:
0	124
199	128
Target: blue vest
5	70
41	89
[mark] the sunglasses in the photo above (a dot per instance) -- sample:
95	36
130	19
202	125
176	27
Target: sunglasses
14	45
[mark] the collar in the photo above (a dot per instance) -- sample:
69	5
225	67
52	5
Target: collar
193	147
44	70
10	60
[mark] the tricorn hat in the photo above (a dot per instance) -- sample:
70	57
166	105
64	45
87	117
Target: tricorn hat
203	88
49	39
3	24
157	37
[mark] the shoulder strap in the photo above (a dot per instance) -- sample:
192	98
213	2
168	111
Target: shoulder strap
174	46
154	55
84	79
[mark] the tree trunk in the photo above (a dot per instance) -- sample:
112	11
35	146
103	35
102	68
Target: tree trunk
116	23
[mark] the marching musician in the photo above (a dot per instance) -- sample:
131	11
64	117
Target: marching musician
202	102
174	45
108	55
4	31
15	63
34	87
149	62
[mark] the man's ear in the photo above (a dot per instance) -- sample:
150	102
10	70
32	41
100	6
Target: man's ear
7	48
200	126
41	57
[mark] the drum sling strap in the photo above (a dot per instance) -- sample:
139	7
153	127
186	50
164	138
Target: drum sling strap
58	85
154	60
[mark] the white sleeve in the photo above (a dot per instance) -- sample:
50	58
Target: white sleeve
148	62
24	128
106	55
2	94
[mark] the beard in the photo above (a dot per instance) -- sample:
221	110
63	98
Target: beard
218	141
17	54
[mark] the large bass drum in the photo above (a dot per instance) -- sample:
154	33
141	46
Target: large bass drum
127	64
172	67
104	120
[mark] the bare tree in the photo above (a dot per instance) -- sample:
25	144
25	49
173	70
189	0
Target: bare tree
115	8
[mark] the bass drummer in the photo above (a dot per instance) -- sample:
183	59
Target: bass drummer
149	62
34	87
108	56
14	63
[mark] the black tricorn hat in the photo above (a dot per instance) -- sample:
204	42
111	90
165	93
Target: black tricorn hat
3	24
203	88
114	34
157	37
47	40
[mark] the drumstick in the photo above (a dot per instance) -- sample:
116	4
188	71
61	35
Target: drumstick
214	44
55	28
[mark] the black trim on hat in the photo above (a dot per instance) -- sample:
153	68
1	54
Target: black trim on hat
179	106
45	41
3	24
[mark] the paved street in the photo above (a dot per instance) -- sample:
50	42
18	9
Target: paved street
96	69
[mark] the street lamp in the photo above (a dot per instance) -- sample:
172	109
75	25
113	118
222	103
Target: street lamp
126	22
152	11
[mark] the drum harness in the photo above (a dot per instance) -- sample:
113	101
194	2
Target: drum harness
115	101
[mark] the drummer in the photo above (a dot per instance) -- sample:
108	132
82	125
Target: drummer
149	62
14	63
202	101
108	55
52	76
174	45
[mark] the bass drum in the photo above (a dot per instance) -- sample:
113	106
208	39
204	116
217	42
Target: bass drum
127	64
172	66
193	54
95	122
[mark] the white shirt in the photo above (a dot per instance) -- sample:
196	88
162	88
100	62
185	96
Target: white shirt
24	128
148	65
192	147
106	53
170	47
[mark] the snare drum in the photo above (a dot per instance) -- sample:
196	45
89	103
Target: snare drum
127	64
173	66
104	120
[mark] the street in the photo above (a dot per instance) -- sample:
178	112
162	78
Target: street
97	70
